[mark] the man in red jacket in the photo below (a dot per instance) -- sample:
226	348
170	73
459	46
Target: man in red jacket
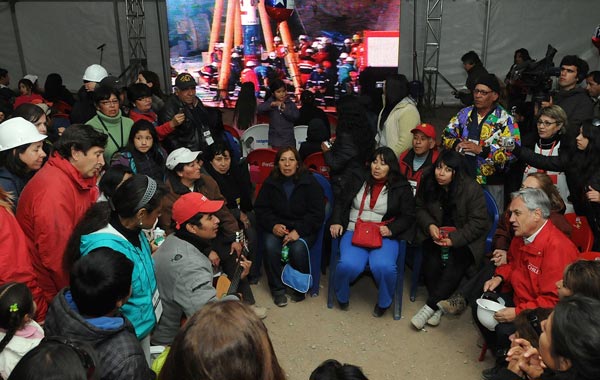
56	198
536	259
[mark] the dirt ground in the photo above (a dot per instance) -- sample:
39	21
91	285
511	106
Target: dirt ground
307	333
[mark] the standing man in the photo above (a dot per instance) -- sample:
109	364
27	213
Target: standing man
84	108
56	198
475	70
476	132
572	98
7	96
202	127
536	258
593	90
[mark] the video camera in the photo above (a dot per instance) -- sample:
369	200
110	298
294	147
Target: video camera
535	76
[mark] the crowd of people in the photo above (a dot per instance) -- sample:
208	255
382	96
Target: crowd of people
89	186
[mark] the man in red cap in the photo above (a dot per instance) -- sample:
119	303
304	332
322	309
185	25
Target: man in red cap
184	274
423	154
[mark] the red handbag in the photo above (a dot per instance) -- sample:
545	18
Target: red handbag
366	234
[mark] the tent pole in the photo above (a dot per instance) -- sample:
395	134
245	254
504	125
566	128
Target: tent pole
486	36
118	30
13	15
165	59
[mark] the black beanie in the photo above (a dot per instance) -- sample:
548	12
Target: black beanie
489	80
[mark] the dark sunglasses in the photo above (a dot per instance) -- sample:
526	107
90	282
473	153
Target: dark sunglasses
86	359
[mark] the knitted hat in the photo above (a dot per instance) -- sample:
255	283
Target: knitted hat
491	81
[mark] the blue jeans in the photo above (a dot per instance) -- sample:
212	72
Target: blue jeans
353	261
298	256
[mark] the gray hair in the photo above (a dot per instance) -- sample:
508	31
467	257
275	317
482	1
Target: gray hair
534	199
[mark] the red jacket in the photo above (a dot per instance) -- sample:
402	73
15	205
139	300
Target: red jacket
15	260
50	206
533	270
406	165
162	130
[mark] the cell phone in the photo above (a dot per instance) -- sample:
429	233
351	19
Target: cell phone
181	110
328	144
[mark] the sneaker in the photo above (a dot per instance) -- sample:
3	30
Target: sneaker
297	296
435	318
261	312
344	305
378	311
490	373
454	305
421	318
280	300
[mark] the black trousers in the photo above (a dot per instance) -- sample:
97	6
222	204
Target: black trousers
441	281
473	287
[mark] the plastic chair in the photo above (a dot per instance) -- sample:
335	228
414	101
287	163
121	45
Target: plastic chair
255	137
234	131
582	234
494	215
300	133
335	253
333	120
316	251
260	163
315	162
234	145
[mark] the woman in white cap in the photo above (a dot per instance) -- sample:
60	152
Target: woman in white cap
21	155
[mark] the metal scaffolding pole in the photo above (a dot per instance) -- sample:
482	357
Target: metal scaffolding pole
431	54
136	37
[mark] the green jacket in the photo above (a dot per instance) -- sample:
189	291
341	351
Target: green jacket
117	128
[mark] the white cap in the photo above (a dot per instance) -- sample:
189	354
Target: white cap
347	41
32	78
181	156
95	73
235	55
250	64
350	59
16	132
302	37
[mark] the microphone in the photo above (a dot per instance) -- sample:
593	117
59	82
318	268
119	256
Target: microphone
101	47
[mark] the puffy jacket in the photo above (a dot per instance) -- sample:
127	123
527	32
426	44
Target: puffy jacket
119	353
281	123
117	129
343	160
50	206
138	309
198	121
16	349
304	211
533	269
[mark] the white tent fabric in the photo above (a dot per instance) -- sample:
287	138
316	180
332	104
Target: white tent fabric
513	24
62	36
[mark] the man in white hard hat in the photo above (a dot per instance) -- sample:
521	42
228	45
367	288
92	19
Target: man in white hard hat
84	108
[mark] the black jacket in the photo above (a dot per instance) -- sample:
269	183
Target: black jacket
198	121
84	108
119	352
303	212
235	186
344	161
578	106
401	206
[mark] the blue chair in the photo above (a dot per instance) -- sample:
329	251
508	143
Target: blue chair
493	213
335	253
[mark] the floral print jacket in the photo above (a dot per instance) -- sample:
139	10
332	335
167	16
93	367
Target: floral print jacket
498	123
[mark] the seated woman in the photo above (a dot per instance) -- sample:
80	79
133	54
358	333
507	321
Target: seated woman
316	133
27	93
580	277
224	340
448	198
143	154
568	345
290	209
381	196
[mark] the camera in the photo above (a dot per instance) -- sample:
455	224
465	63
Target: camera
508	142
535	76
328	144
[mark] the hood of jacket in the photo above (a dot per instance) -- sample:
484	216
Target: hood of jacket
62	164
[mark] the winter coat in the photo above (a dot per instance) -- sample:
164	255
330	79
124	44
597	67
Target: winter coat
120	356
200	121
578	106
400	206
13	184
84	108
343	160
50	206
406	166
139	308
497	124
235	186
397	126
117	128
209	188
533	269
303	212
143	163
15	260
281	123
162	130
317	132
18	347
469	214
185	279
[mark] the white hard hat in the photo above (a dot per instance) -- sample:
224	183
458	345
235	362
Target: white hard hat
277	39
347	41
250	64
235	55
309	50
350	59
16	132
315	44
343	55
302	37
272	55
95	73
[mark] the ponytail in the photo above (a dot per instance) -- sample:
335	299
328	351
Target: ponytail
16	302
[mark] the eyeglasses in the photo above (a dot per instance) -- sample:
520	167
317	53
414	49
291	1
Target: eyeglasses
545	123
109	102
86	359
481	92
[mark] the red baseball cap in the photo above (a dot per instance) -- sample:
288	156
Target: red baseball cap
427	129
191	204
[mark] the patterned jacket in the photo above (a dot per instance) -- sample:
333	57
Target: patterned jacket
496	125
